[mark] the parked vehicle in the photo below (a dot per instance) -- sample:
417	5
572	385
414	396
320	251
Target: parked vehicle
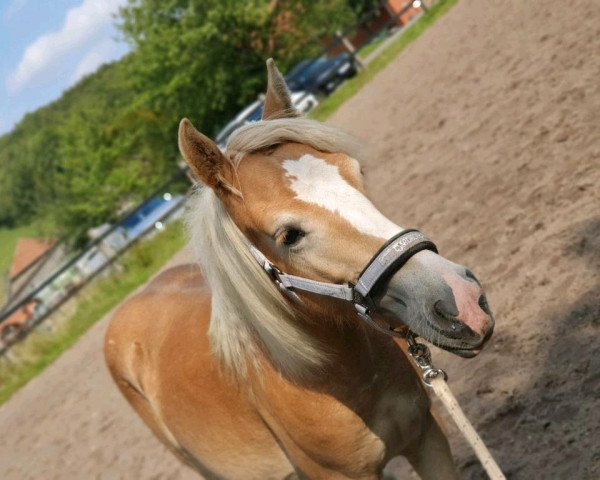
150	214
302	101
240	120
93	260
147	216
115	238
323	74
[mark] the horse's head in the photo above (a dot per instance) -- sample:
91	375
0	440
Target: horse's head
299	196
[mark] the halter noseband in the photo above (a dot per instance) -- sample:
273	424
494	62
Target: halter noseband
390	258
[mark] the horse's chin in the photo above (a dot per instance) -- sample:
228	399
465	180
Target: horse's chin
456	345
468	352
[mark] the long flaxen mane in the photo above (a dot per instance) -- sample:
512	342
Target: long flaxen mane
249	314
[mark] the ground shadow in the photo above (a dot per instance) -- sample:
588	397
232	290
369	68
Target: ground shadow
550	430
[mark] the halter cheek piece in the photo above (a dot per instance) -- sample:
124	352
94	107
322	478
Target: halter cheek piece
390	258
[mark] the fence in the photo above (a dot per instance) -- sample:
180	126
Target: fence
76	281
369	28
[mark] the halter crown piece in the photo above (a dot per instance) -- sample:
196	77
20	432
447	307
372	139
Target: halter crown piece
390	258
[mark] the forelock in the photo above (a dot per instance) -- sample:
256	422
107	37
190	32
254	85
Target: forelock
267	133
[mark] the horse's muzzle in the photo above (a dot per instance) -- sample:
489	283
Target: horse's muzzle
441	302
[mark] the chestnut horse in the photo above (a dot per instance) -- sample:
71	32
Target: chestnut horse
243	382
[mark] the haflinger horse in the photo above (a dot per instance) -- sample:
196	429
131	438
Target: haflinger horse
258	363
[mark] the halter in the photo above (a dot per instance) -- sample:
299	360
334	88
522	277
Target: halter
390	258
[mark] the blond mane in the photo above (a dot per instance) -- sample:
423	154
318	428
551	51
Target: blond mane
267	133
249	313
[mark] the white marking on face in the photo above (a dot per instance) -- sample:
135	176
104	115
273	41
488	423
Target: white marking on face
315	181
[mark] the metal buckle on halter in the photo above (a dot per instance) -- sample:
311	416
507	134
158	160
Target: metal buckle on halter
272	270
359	303
363	312
275	274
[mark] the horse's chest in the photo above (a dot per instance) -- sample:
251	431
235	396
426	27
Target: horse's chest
397	416
364	429
325	433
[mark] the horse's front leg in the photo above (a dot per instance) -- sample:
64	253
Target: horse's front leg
430	455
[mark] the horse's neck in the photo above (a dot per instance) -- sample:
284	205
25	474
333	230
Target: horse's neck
366	377
356	353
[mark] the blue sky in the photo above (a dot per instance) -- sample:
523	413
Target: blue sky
47	45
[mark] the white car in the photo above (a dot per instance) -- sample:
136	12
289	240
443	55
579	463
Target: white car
302	101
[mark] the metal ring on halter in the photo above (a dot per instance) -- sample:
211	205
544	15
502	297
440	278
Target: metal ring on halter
422	358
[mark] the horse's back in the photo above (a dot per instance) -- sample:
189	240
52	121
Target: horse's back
158	352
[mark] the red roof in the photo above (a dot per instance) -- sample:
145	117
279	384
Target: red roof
20	316
27	251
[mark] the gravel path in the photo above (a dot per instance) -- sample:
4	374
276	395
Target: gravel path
486	132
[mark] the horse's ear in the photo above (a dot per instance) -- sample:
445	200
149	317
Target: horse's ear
201	154
278	103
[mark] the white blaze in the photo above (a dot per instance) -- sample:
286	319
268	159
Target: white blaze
315	181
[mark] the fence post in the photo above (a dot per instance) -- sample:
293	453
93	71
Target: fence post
348	46
420	4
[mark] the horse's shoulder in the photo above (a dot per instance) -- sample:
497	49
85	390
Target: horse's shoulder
178	278
174	302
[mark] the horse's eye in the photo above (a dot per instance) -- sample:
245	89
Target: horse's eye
292	236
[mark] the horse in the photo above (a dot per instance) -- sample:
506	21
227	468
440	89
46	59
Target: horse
244	378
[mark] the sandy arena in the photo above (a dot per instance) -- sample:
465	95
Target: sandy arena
487	138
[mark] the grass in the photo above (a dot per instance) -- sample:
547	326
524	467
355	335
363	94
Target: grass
40	349
8	242
328	106
365	51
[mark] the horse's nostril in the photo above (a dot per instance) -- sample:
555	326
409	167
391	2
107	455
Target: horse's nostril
484	304
469	274
446	309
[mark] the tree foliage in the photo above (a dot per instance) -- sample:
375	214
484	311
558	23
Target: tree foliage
205	58
111	138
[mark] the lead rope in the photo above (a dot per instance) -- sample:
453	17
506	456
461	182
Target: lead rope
436	379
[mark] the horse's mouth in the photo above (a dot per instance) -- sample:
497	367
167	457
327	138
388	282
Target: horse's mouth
462	352
467	352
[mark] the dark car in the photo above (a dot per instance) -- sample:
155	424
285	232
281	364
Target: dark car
323	74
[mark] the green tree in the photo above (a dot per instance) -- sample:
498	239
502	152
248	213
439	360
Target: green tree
111	138
204	59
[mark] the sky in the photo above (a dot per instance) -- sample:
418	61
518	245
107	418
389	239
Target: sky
46	46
